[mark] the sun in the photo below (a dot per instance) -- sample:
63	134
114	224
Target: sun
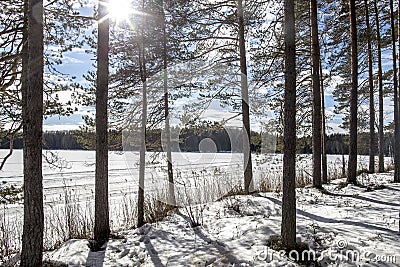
120	10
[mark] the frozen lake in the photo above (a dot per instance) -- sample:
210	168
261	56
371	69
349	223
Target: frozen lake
76	170
199	178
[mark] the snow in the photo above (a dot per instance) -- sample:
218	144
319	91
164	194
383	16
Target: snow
361	221
345	222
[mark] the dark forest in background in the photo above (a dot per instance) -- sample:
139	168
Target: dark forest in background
190	138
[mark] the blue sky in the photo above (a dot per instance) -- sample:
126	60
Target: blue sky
78	62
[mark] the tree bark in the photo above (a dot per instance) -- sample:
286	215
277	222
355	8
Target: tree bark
316	89
248	169
101	224
343	162
397	178
381	166
142	159
32	120
323	131
352	165
142	154
371	93
396	151
171	184
288	229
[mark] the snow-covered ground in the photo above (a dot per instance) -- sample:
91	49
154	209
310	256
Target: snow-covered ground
234	230
214	174
353	226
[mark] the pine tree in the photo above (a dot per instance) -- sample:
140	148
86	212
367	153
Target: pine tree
288	229
267	64
248	169
224	41
171	184
352	165
142	154
101	224
315	65
397	179
323	130
380	90
32	120
62	27
396	145
371	92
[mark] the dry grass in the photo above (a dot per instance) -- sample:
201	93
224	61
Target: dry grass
127	211
72	217
69	220
156	210
9	229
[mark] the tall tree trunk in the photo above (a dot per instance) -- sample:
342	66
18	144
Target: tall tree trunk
396	146
381	158
101	223
371	93
323	132
142	156
288	228
343	163
171	184
397	178
352	165
32	120
248	169
315	63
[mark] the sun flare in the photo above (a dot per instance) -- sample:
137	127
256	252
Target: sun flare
120	10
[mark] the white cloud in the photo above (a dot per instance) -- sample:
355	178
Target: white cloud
60	123
333	127
72	60
61	127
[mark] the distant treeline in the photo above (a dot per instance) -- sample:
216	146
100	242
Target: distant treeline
190	139
51	140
